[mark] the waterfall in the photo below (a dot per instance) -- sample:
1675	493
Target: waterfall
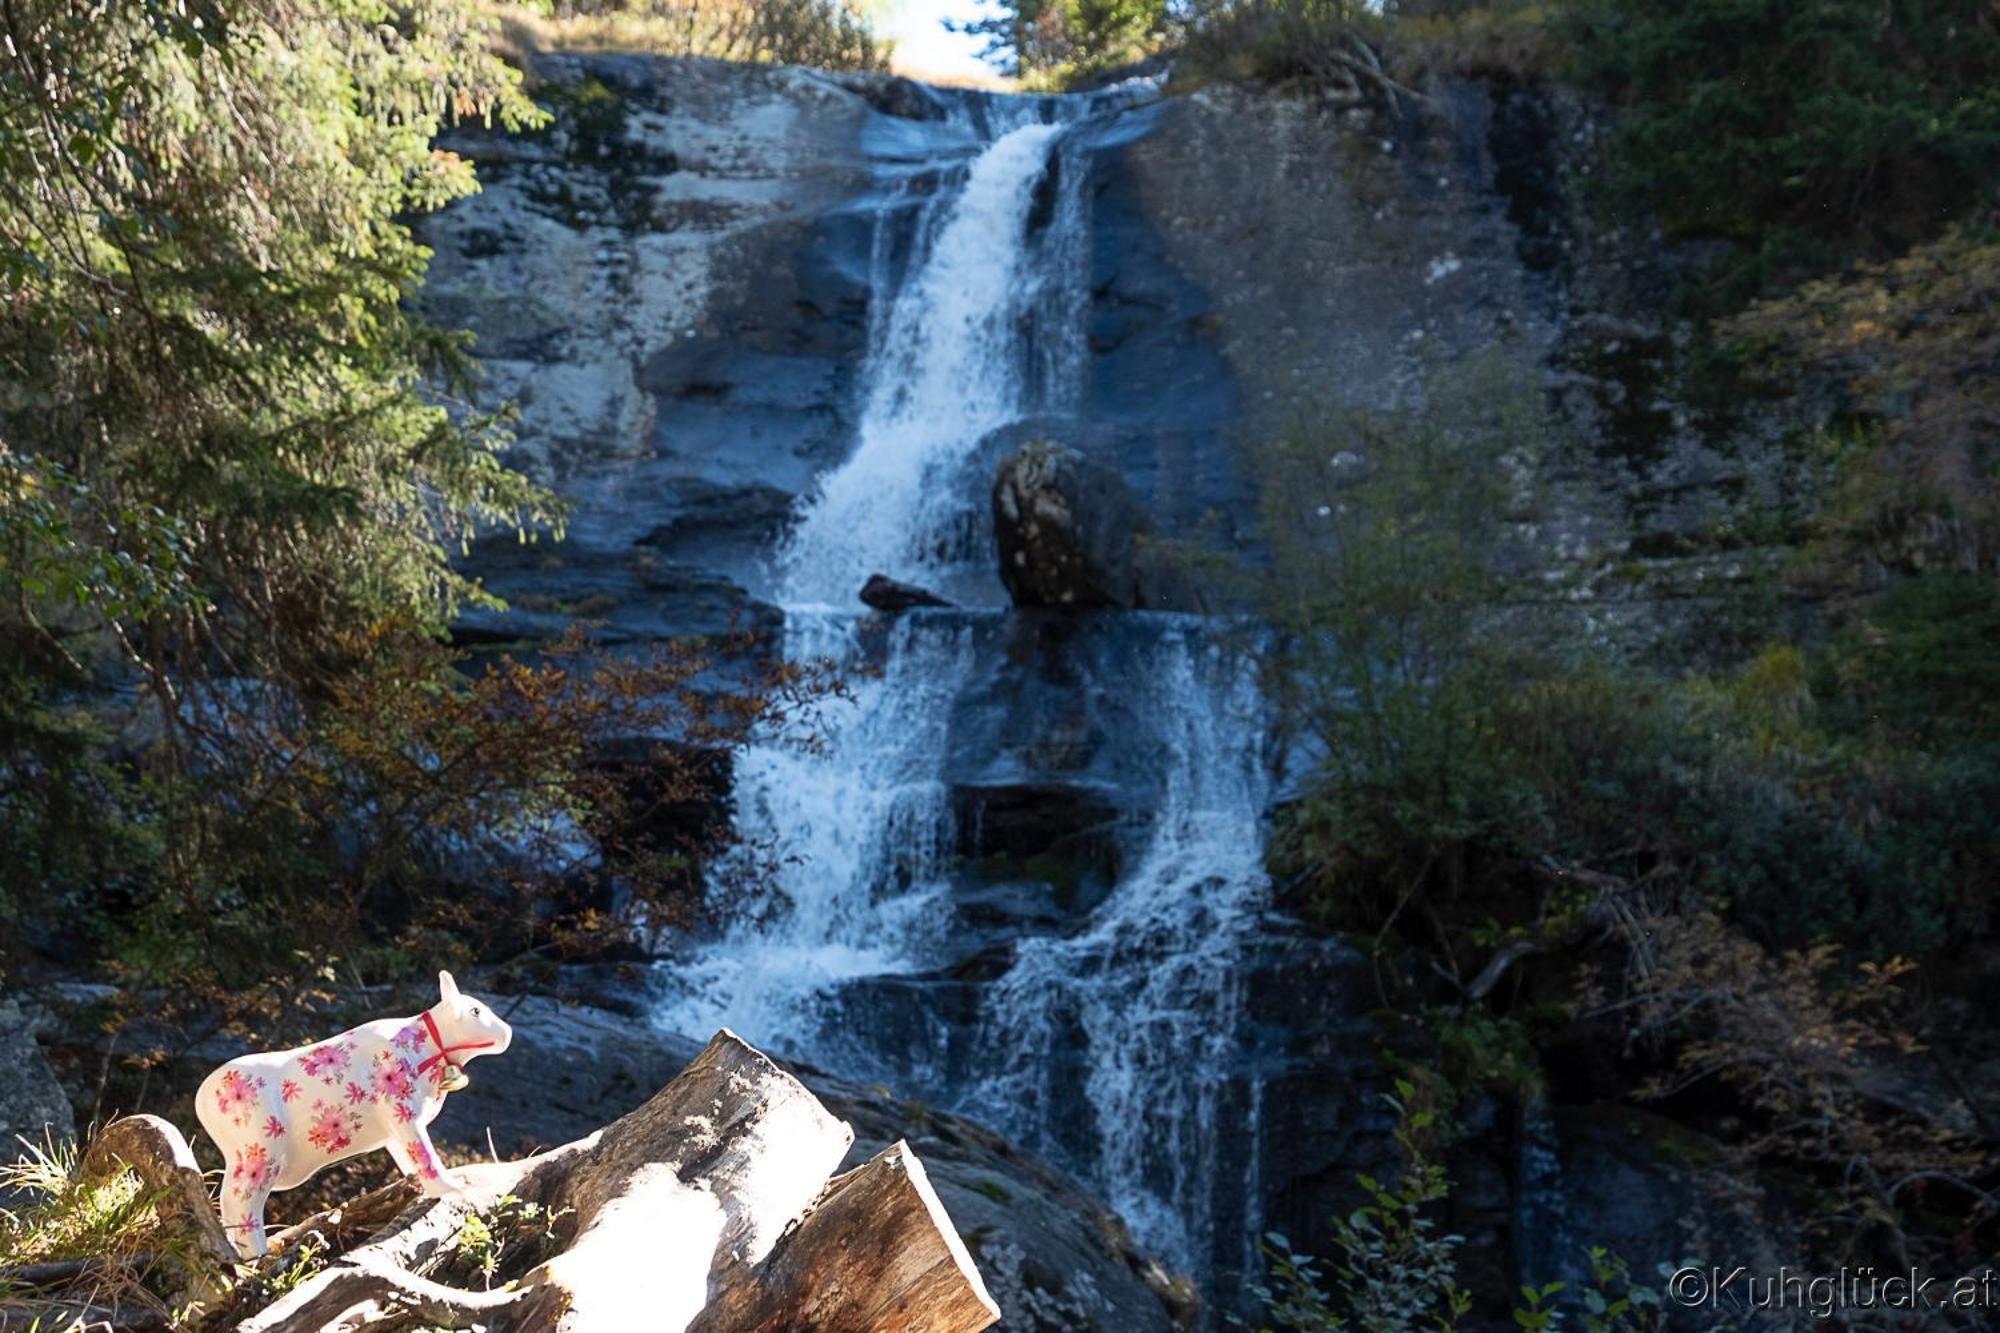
1151	988
1110	1048
948	369
858	831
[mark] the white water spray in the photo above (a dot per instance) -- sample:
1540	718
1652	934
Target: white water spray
1151	988
947	371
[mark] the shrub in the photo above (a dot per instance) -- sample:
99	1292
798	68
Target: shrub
1395	1272
1801	132
1326	47
1804	1044
1915	348
424	807
1054	43
1382	530
1508	40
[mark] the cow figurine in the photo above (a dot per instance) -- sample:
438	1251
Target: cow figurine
280	1116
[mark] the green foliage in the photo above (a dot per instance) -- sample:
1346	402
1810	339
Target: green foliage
1382	531
1396	1272
1914	348
226	444
137	1259
1471	782
64	1218
1311	46
1052	43
1613	1303
236	761
498	1243
222	428
1479	1050
217	404
1799	131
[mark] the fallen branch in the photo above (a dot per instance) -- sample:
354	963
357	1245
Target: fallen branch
61	1272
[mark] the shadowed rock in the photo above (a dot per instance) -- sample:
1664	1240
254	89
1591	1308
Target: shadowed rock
1065	527
886	594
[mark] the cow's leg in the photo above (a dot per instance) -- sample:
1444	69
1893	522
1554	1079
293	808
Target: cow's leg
410	1144
245	1189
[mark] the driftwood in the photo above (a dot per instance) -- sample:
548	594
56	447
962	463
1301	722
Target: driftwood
708	1208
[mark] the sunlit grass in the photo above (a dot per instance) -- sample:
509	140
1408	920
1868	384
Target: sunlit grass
108	1228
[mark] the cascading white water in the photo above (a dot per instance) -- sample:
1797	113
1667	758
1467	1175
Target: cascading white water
947	371
859	835
984	328
1151	988
857	831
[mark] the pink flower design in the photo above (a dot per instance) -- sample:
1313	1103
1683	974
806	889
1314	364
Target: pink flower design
405	1112
233	1096
410	1036
420	1153
289	1090
328	1130
250	1159
253	1169
356	1094
393	1077
274	1128
326	1061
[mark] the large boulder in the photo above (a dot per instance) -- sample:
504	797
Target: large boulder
1066	528
32	1104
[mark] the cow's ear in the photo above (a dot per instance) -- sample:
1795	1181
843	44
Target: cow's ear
447	987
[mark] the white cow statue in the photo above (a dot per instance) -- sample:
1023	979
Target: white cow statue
279	1116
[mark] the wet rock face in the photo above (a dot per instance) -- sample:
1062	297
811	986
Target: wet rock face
1648	1190
1349	256
1036	853
1065	528
671	284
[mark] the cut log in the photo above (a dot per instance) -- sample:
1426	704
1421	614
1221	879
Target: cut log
697	1183
721	1159
877	1254
159	1155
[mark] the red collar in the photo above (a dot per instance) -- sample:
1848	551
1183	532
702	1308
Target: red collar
443	1055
